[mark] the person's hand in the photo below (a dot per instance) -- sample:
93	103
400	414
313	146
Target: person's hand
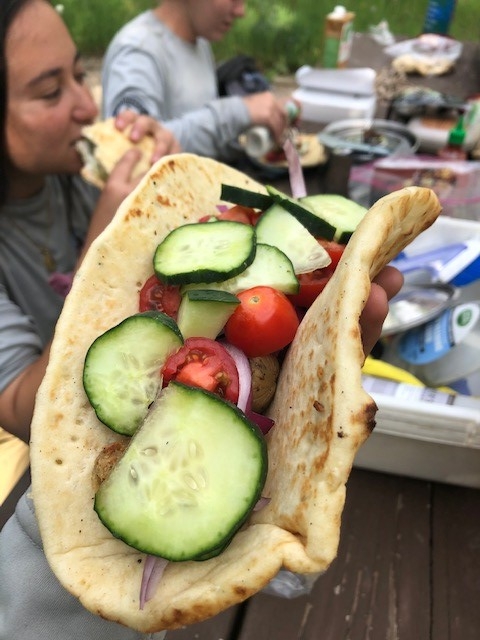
143	125
386	285
268	110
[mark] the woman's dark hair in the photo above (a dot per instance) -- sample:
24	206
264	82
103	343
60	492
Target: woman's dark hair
8	11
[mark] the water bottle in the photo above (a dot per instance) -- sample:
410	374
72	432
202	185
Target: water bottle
439	16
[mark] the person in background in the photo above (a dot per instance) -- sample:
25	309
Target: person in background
161	63
48	218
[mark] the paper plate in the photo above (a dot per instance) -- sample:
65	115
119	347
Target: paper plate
426	47
312	154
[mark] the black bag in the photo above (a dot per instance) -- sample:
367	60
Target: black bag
240	76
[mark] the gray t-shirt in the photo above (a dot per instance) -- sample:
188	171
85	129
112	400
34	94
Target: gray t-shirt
149	69
30	301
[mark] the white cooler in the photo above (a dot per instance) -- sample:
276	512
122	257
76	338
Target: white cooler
327	95
422	439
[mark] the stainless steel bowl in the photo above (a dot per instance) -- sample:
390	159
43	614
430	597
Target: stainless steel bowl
369	138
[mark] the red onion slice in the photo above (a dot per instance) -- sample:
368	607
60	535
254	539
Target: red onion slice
245	389
264	423
261	503
152	574
244	376
295	171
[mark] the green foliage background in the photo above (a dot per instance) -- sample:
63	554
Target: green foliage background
280	34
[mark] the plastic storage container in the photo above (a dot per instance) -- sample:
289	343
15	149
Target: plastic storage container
326	95
424	439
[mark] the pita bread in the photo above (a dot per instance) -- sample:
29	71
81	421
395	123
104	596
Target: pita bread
322	413
102	147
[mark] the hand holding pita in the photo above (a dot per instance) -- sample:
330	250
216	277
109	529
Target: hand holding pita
143	125
386	285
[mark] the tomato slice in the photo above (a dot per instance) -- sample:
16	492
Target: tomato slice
157	296
313	283
275	156
204	363
239	213
334	250
264	322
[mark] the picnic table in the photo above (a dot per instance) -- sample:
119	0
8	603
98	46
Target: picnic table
408	568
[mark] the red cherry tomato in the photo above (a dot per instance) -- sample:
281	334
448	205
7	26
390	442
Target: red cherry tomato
334	250
313	283
275	156
265	321
237	213
157	296
204	363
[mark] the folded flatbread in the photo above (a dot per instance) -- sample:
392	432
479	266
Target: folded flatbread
102	146
321	412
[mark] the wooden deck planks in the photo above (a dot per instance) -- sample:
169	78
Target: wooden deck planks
456	563
221	627
378	588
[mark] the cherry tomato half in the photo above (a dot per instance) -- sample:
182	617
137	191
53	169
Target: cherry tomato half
313	283
204	363
265	321
157	296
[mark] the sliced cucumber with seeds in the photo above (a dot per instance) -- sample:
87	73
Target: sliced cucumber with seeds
271	268
245	197
280	228
204	312
189	478
304	213
205	252
343	214
121	374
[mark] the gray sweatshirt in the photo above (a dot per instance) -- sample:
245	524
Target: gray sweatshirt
149	69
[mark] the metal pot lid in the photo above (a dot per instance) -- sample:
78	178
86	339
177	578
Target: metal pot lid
416	304
375	137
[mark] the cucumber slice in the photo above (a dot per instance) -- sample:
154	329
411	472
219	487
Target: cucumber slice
280	228
189	478
271	268
342	213
304	213
121	374
204	312
245	197
205	252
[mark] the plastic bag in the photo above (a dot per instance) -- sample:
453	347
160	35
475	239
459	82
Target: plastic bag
287	584
456	183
